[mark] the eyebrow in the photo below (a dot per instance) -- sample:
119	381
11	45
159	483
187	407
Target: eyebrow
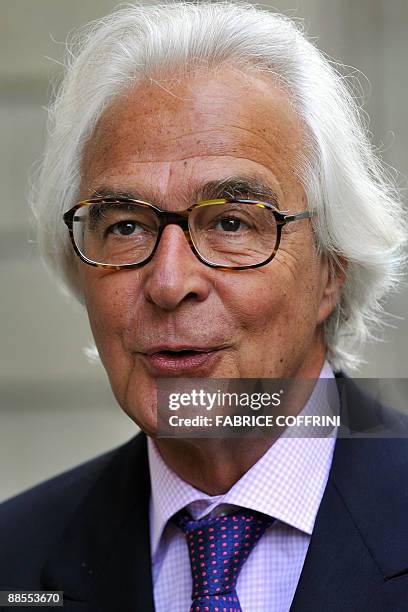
245	187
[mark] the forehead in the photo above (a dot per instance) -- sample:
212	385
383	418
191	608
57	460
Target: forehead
175	134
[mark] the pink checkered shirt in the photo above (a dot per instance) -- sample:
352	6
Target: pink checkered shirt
286	483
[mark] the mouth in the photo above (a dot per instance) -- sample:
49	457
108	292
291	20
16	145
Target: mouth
166	361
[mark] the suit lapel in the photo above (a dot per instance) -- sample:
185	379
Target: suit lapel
103	558
358	554
338	564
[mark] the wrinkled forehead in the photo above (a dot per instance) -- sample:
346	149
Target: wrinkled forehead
174	134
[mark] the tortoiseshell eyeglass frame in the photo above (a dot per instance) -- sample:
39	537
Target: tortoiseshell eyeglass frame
181	219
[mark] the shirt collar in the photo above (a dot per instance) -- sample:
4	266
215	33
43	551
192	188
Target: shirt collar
287	482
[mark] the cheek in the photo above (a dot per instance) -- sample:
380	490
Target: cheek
258	301
108	309
281	301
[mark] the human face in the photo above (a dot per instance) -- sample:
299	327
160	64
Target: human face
164	144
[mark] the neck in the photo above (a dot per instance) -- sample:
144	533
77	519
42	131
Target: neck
214	465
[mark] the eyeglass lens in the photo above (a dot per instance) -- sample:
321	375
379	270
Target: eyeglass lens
228	234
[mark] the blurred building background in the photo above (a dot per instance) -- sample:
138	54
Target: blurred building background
56	408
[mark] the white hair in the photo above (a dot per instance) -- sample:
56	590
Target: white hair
359	213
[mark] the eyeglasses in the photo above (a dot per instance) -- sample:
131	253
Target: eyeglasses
229	234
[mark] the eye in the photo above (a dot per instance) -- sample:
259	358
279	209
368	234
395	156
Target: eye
125	228
231	224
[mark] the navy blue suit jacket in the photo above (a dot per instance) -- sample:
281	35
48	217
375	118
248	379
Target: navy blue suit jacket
86	532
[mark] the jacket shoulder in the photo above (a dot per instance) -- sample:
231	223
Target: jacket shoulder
31	521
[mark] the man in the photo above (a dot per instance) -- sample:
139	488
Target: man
226	219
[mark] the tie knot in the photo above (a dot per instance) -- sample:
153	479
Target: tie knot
218	549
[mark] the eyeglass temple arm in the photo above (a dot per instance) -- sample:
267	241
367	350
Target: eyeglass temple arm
302	215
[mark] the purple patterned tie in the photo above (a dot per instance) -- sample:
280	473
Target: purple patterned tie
218	549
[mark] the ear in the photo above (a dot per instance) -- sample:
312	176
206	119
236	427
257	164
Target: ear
333	278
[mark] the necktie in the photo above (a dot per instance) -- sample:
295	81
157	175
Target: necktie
218	549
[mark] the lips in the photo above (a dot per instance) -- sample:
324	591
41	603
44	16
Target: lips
181	348
166	361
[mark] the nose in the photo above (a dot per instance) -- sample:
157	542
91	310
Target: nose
175	275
